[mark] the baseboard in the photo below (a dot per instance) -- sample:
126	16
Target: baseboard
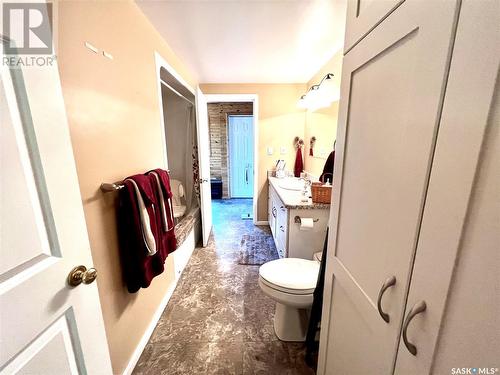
262	222
159	311
149	331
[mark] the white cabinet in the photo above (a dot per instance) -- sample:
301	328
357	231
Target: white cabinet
363	16
412	119
289	239
278	221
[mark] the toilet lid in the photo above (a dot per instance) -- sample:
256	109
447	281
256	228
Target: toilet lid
291	273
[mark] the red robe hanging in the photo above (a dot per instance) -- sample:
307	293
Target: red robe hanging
299	163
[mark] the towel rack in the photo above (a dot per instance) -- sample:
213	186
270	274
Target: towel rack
106	187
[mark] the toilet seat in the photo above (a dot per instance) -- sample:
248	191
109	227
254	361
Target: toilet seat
286	290
290	275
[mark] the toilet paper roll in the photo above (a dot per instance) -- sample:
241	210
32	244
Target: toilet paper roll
306	223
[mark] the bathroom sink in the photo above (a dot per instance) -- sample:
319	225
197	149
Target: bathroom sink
291	184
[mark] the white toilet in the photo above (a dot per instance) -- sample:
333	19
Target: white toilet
291	283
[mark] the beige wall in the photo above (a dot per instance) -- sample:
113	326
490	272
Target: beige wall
322	123
114	119
279	122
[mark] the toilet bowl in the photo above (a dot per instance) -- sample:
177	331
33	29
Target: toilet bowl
291	283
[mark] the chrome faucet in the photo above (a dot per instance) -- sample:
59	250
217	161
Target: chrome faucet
307	184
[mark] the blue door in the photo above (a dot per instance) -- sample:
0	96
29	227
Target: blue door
240	139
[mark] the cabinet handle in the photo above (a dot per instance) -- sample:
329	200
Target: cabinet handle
415	310
391	281
282	228
274	212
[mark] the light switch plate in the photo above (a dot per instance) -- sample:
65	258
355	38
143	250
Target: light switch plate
270	151
283	150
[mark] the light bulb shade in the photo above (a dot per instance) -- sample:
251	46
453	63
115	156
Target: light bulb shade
318	104
321	95
313	96
302	102
329	90
316	99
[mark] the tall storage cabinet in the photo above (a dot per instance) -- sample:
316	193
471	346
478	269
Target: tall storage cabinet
414	206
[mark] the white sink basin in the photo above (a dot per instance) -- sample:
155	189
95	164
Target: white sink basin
291	184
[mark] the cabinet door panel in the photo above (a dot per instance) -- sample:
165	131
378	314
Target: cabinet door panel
272	212
281	225
363	16
392	88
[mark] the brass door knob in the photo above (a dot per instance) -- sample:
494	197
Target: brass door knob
81	274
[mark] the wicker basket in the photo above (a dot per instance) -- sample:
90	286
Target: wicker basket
321	193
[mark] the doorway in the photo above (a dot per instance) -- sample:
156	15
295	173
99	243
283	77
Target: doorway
232	130
240	145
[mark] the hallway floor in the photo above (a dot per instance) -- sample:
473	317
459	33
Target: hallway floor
218	321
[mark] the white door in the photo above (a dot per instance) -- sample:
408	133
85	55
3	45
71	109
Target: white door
392	88
46	326
204	164
240	132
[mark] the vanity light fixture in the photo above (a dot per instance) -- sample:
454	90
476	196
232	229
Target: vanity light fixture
321	95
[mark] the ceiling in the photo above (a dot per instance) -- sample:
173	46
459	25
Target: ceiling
250	41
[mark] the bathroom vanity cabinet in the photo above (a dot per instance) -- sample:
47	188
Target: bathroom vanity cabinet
284	206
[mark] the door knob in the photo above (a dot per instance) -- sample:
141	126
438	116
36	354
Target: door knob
81	274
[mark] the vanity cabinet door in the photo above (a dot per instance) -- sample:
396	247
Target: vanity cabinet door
281	228
392	89
272	210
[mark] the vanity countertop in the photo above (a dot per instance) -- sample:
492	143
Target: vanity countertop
292	198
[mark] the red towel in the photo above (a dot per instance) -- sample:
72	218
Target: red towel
138	267
298	168
168	242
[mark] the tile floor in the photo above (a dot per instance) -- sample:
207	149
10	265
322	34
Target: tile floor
218	321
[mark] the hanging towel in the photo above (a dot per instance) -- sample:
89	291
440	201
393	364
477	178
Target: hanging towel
147	233
139	264
299	164
161	199
165	214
